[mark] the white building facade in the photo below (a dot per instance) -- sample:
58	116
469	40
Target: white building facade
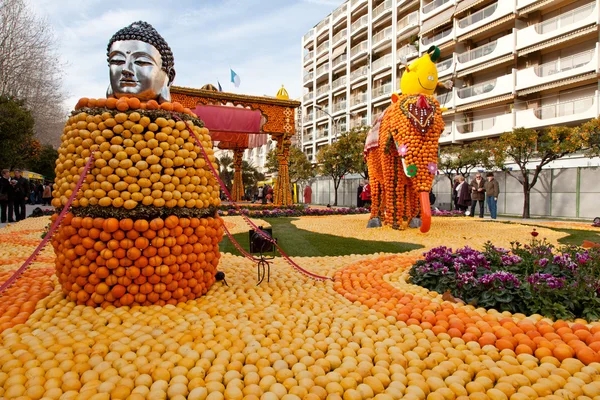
514	63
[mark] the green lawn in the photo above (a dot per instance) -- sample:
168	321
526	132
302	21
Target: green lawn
577	236
301	243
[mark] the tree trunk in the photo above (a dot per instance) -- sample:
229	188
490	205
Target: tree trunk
451	193
336	185
526	197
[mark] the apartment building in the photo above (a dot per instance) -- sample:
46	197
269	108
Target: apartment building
514	63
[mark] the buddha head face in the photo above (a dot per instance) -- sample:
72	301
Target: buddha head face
140	63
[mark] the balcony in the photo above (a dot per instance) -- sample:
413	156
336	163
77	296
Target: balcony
381	36
361	23
358	99
323	47
355	3
360	48
340	60
446	100
560	113
323	69
323	24
489	51
381	63
438	38
435	7
307	138
308	76
308	56
408	22
321	114
381	91
322	133
309	35
308	118
447	136
445	67
565	67
382	9
359	73
323	90
494	87
343	34
484	16
481	128
407	51
339	12
358	122
338	83
557	26
339	106
308	96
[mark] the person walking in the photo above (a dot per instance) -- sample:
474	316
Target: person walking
359	201
39	193
7	197
366	195
261	191
47	194
454	192
307	194
477	194
492	190
463	194
22	192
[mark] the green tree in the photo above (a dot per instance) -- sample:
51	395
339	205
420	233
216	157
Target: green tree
251	176
354	141
300	169
336	160
45	162
456	160
225	163
16	134
531	150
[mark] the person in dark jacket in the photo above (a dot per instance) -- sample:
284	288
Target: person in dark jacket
454	192
492	191
7	197
463	193
22	191
477	194
359	201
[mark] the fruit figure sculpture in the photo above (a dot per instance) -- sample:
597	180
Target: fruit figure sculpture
143	228
402	159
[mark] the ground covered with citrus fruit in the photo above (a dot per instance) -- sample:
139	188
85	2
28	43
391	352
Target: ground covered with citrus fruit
366	334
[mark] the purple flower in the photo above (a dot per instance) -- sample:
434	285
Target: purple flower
501	250
432	167
542	262
582	258
565	261
510	260
466	278
539	280
501	276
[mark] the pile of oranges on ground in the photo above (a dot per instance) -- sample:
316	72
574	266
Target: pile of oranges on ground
367	335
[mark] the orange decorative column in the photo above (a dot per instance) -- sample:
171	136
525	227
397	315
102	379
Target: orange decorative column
238	183
283	195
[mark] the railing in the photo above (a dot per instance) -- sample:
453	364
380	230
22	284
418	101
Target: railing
355	2
382	90
430	39
338	82
362	21
565	19
564	109
383	7
340	60
357	122
406	50
308	76
339	106
478	52
323	24
340	35
309	34
444	65
427	8
564	63
359	48
308	96
410	19
385	61
475	90
323	46
323	69
340	11
476	126
358	99
323	89
444	98
308	118
362	71
308	56
477	16
342	127
322	133
382	35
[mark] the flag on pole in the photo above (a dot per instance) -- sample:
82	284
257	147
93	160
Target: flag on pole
235	78
219	84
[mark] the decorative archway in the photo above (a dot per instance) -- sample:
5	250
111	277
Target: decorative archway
277	121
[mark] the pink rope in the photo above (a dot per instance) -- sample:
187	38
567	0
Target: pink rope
263	234
8	283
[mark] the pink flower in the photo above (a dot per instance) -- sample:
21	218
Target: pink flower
402	149
432	167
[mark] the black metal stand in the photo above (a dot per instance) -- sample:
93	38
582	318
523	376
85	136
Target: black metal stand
263	267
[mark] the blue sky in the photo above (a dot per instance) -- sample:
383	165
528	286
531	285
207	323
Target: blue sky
259	39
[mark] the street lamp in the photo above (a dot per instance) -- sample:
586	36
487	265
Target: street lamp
335	127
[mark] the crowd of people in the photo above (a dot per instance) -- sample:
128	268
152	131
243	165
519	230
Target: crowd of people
467	195
16	191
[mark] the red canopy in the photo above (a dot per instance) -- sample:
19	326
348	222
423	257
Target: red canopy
232	127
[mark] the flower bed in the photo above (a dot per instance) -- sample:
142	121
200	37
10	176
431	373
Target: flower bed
445	213
294	212
535	278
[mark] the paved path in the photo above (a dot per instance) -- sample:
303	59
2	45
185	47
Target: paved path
29	210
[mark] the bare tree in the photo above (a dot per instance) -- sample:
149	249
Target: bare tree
30	69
